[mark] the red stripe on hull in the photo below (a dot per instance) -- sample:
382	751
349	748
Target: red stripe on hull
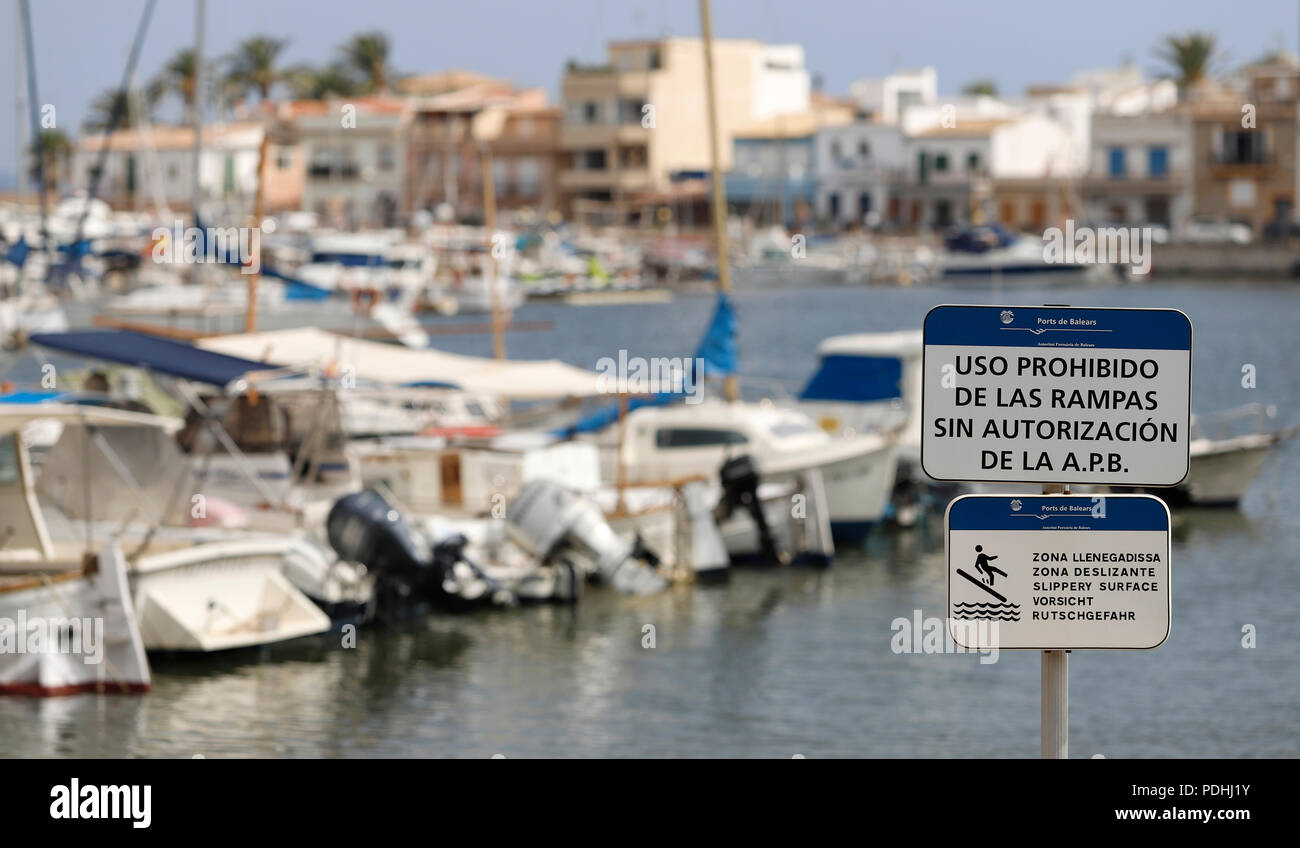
35	690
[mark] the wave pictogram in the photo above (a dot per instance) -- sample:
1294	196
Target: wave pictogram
986	611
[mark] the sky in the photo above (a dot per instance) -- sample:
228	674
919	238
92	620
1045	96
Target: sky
82	45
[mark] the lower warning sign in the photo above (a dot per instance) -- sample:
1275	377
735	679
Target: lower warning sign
1058	572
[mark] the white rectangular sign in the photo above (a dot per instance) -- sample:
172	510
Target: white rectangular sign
1054	394
1058	572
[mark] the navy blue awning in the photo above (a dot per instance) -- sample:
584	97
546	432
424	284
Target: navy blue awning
857	379
176	359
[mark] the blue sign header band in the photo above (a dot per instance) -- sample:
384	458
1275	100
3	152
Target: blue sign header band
1074	512
1058	326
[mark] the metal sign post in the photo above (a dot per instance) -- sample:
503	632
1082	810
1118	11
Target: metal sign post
1056	705
1054	718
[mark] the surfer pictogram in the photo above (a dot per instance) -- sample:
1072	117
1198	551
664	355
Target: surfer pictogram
983	568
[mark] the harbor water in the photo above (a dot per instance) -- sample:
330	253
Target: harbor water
778	662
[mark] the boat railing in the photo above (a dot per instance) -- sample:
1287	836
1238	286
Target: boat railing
1246	420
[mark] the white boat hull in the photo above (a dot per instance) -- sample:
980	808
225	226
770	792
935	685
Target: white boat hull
105	653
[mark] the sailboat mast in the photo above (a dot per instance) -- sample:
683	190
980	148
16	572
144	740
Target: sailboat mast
200	9
33	104
731	388
20	104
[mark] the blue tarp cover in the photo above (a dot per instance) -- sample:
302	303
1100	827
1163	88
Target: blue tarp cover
162	355
857	379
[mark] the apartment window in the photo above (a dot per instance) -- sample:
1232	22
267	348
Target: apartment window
942	213
283	159
864	204
528	176
835	206
907	99
590	112
629	110
501	175
1158	210
1241	193
1242	147
591	160
632	157
941	163
387	157
1116	166
864	150
1158	162
654	61
973	163
836	151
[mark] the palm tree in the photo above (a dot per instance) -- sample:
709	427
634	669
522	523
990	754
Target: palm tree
310	83
252	66
1191	56
116	107
50	151
983	86
180	77
366	55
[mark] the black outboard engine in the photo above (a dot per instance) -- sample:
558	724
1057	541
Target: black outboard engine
740	478
366	528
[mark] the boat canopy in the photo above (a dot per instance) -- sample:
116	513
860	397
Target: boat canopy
862	368
164	356
309	347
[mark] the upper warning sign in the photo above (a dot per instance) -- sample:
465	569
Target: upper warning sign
1054	394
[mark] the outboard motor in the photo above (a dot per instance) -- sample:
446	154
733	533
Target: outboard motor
547	520
364	527
740	479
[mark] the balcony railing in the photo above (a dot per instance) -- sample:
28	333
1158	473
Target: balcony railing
334	172
1238	159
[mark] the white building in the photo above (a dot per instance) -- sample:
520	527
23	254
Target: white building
1141	169
887	99
858	166
782	84
152	167
355	152
953	171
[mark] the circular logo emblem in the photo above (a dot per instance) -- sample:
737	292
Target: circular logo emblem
1008	316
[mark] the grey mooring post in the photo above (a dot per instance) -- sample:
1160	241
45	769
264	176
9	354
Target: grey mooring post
1056	686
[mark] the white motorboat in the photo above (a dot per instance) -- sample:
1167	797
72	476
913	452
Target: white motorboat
192	589
666	442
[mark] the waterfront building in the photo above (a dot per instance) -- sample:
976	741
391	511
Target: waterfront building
635	127
1244	147
151	167
445	155
355	150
